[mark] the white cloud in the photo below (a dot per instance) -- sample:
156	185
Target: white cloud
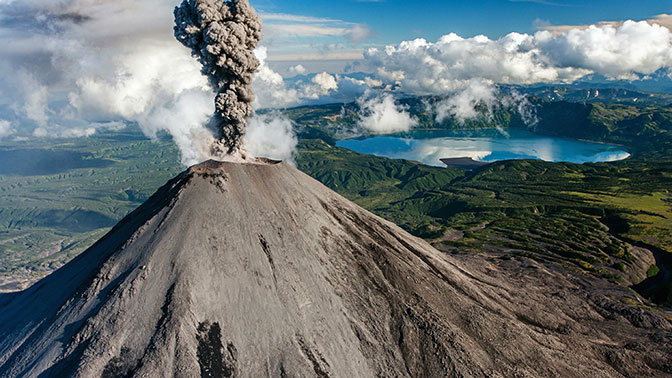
77	132
527	111
184	118
451	63
272	91
324	83
462	105
5	129
296	38
291	25
269	86
40	132
381	115
271	136
299	69
31	97
479	100
359	33
664	20
616	52
270	17
303	30
80	65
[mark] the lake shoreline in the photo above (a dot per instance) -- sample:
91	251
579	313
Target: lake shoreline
494	128
468	147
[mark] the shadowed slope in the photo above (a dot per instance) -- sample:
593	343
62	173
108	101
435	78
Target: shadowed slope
259	270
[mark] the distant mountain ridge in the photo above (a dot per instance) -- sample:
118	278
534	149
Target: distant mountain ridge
594	94
645	128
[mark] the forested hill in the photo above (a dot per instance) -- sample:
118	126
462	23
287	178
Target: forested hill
606	220
645	130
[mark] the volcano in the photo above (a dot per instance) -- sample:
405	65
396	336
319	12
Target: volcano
251	270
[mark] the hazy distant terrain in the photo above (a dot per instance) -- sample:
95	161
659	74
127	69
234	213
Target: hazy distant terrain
59	196
611	221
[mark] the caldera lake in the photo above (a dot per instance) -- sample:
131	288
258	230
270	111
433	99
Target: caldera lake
484	145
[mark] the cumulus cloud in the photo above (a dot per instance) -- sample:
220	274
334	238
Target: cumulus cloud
664	20
271	136
381	114
5	128
297	70
77	65
462	105
272	90
479	100
620	52
323	84
467	70
450	64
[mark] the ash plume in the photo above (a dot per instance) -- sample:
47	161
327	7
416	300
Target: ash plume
223	35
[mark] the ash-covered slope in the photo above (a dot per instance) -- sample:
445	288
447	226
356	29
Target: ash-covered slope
250	270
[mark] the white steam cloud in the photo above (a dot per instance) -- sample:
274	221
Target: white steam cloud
271	136
462	105
77	66
381	114
184	118
269	86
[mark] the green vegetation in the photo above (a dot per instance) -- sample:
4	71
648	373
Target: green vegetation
584	217
652	272
59	197
590	218
645	129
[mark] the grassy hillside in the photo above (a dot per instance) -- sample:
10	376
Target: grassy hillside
57	197
590	218
593	218
647	130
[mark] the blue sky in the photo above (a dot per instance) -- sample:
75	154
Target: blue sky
396	20
393	21
76	66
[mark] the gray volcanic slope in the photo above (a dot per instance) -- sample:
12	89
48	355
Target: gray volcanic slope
251	270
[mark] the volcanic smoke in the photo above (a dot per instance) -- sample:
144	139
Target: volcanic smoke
223	35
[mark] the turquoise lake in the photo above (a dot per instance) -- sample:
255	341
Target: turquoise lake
429	146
